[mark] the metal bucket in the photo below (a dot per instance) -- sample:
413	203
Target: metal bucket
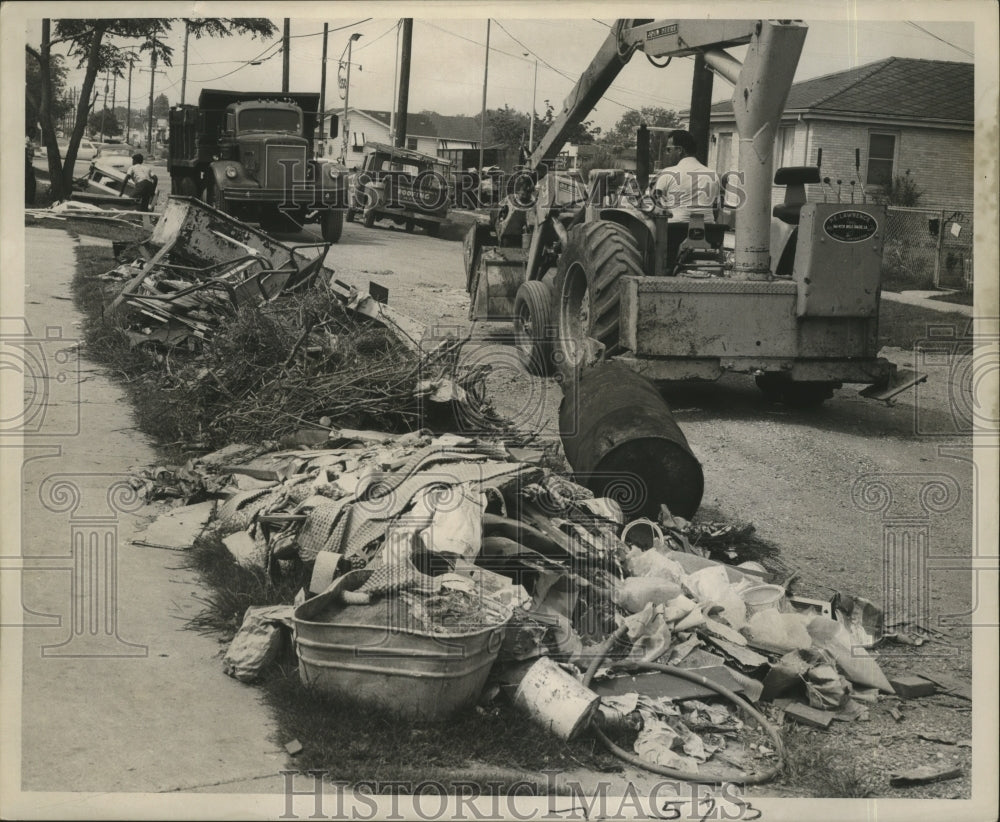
408	673
622	442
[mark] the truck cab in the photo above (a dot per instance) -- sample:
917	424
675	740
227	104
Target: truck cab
250	154
266	138
405	186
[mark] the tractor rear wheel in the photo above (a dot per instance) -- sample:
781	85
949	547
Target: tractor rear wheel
532	326
597	255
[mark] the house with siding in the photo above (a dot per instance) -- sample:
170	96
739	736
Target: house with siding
900	114
456	138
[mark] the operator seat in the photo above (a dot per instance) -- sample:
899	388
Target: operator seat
794	179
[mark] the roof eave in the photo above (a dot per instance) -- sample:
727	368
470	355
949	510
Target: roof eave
854	116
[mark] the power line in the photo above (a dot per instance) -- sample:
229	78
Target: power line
565	74
966	52
391	28
331	31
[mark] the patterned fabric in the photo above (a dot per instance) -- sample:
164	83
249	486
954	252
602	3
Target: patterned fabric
319	525
400	576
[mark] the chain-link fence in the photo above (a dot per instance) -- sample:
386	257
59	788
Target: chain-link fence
925	249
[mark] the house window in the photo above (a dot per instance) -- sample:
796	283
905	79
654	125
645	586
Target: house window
723	152
784	144
881	158
411	143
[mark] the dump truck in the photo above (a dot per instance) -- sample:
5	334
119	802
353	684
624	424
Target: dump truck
792	298
250	154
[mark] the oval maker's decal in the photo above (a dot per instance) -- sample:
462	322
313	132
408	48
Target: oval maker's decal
850	226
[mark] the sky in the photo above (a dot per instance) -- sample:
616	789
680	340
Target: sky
448	56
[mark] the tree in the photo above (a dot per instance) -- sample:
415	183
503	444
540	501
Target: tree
97	46
622	134
161	106
508	126
104	122
582	134
60	104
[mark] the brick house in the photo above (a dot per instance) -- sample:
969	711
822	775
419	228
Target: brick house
902	114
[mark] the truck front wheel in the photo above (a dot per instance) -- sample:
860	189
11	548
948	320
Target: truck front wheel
597	255
218	200
187	187
369	219
332	224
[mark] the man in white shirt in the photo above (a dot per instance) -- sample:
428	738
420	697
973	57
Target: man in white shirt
144	179
686	186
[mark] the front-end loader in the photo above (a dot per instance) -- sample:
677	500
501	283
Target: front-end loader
597	272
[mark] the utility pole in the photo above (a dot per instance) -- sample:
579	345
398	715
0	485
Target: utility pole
114	95
285	41
347	94
486	74
128	115
403	103
395	86
322	92
104	111
534	93
184	71
152	81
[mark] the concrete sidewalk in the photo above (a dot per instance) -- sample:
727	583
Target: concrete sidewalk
923	300
118	696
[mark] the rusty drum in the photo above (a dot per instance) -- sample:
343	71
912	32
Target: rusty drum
622	442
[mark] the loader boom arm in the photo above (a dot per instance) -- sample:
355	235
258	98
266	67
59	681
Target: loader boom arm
657	38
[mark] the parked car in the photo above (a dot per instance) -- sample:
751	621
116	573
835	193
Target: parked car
114	159
86	151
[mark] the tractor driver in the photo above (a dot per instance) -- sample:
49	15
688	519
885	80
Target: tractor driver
686	186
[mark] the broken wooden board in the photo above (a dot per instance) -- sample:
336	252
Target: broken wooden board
923	775
809	716
950	685
912	687
657	684
178	528
742	654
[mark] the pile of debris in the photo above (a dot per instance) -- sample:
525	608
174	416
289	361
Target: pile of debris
442	571
245	337
199	266
73	209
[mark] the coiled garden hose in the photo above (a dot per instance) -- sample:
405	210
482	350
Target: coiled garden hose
739	777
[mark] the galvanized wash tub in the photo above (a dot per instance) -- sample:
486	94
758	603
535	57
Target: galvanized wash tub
411	673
